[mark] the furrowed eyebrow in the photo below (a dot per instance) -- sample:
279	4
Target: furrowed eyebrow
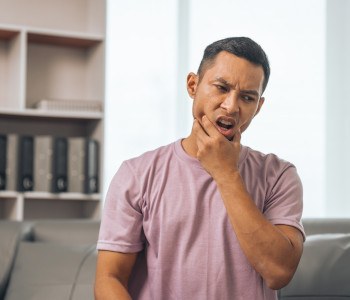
223	81
249	92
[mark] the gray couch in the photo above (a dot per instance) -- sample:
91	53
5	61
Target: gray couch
50	259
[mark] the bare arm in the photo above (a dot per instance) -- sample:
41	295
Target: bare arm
274	251
112	275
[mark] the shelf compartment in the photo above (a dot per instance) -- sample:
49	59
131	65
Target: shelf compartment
11	63
64	72
11	206
31	125
83	15
54	208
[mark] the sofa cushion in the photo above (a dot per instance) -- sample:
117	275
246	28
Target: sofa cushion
324	269
47	271
84	285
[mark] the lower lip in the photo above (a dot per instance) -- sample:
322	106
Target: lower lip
228	133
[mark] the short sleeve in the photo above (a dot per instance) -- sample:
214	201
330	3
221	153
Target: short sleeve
284	204
121	224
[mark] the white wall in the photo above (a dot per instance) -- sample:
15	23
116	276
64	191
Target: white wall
146	100
140	79
337	108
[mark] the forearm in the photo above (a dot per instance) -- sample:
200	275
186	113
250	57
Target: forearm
268	249
110	288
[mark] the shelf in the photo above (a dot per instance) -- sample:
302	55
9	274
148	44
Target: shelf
50	196
52	83
38	113
8	194
8	34
64	39
61	196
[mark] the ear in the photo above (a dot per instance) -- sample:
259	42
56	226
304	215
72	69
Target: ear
192	82
260	104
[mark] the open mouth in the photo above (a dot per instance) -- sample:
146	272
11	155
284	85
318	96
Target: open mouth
226	125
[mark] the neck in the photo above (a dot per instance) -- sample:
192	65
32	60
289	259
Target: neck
189	144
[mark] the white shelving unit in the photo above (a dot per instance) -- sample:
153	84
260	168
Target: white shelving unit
51	50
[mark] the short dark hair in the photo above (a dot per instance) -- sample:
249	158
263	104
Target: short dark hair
243	47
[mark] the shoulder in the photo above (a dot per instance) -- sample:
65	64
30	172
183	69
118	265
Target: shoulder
134	173
269	163
149	160
269	172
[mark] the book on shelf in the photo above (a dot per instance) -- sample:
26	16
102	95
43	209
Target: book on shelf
76	164
69	105
3	146
50	164
60	165
25	163
91	166
12	151
43	160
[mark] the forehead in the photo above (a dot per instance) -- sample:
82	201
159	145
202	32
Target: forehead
235	70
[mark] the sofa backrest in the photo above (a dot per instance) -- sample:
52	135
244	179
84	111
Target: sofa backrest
326	225
56	260
65	232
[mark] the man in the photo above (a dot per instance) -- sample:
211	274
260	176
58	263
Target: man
205	217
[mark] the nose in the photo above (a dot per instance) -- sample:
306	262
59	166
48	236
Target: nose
230	103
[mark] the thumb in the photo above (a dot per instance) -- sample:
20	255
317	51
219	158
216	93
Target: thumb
237	137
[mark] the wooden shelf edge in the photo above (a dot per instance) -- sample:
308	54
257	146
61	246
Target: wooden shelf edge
39	113
7	34
61	196
63	38
8	194
50	196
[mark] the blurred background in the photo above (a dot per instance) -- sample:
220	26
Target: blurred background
152	45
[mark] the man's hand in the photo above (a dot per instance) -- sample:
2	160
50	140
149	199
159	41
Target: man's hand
255	233
218	156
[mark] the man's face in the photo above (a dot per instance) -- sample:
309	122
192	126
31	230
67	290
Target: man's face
229	93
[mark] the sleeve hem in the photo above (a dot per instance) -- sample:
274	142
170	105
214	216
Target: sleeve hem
297	225
119	248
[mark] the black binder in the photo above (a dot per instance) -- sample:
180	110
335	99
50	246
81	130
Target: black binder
3	148
91	166
25	165
59	167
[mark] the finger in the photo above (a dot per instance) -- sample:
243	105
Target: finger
237	137
209	127
199	131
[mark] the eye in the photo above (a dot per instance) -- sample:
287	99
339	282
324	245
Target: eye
221	88
248	98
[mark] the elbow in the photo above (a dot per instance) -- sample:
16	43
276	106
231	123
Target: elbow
97	290
279	278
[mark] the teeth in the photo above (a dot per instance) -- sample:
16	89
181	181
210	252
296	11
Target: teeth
225	122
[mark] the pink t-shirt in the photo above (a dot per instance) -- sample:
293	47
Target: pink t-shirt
166	205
